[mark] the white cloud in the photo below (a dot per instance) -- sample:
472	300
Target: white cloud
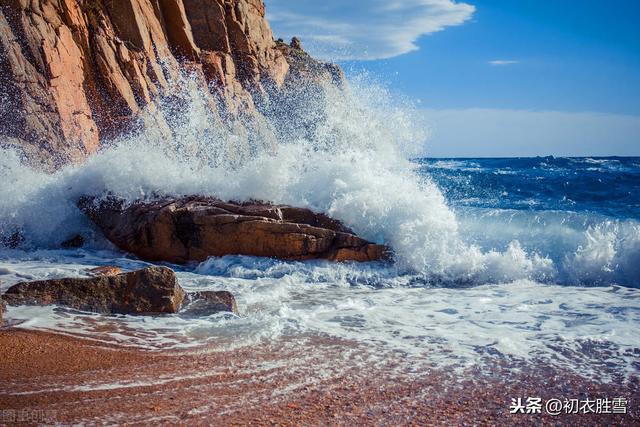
479	132
504	62
363	29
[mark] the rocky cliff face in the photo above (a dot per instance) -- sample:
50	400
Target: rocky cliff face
74	73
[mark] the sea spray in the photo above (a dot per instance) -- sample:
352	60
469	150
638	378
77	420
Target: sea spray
479	273
353	164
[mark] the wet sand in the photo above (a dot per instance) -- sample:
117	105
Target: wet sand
47	378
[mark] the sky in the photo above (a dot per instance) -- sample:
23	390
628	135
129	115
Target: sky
493	77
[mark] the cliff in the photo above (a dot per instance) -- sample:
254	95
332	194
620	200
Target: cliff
76	73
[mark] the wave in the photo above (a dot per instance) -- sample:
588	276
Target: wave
582	248
353	164
589	331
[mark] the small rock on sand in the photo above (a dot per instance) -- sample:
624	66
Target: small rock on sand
153	290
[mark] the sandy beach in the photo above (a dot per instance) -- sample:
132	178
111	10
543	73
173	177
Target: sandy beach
47	379
319	213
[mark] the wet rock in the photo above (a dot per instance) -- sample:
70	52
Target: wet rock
304	92
195	228
210	302
1	309
105	270
153	290
76	241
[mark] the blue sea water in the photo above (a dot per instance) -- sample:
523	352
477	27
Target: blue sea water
607	186
581	213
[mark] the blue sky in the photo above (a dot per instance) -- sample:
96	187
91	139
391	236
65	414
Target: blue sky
494	77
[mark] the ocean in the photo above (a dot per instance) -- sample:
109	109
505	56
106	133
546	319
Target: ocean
518	260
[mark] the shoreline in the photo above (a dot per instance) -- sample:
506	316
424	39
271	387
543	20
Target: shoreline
51	378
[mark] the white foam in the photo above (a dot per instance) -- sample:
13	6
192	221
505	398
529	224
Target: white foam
578	248
587	330
354	167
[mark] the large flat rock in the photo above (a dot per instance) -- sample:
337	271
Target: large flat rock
195	228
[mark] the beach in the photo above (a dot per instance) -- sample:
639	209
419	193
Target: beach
59	379
206	222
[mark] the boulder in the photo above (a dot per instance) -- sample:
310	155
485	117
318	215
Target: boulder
195	228
153	290
210	302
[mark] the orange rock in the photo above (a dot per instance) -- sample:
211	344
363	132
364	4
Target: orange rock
105	270
179	29
195	228
73	74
